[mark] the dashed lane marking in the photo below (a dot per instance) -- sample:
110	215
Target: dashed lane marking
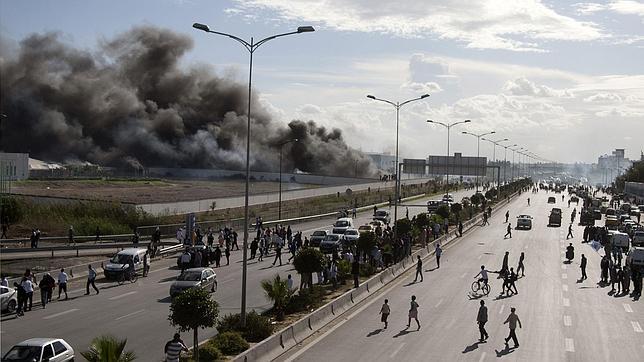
63	313
439	303
564	276
566	302
480	256
570	345
636	327
502	307
122	296
564	287
482	357
564	266
129	315
395	352
463	275
628	308
567	321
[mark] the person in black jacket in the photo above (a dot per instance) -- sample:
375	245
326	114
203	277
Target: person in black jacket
582	266
481	319
355	271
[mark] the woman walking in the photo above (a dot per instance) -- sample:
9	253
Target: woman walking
413	312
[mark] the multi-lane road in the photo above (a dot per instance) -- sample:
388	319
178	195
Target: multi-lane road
139	311
563	318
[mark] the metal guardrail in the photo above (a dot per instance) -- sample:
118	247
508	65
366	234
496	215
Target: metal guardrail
78	248
77	239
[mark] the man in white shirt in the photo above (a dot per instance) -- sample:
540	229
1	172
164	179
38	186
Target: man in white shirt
28	286
483	274
62	283
289	282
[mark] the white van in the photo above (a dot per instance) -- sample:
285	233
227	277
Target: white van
620	240
119	262
341	225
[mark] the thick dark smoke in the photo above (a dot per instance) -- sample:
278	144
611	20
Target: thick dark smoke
131	104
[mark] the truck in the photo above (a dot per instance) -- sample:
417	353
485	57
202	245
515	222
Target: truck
555	217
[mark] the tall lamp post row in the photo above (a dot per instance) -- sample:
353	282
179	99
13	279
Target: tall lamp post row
251	47
478	149
448	126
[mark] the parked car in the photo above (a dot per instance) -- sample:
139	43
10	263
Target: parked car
555	217
204	278
331	243
635	256
317	237
377	223
351	236
382	215
432	205
611	222
366	229
611	212
524	222
342	224
448	198
551	200
8	299
619	240
119	262
638	238
40	350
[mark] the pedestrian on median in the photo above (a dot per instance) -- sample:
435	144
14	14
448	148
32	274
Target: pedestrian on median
384	312
419	269
174	348
438	252
413	312
582	266
513	320
91	279
70	235
62	283
509	232
355	271
227	254
460	228
521	267
569	232
481	319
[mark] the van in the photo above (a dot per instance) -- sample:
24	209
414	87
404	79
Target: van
638	238
119	262
619	240
341	225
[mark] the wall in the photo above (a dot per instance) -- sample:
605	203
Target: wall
635	189
14	166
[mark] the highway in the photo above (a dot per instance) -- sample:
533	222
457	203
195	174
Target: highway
563	319
139	311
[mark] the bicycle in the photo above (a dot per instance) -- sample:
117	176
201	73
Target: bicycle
476	286
132	277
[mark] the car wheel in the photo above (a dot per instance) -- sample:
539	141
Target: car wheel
11	306
214	287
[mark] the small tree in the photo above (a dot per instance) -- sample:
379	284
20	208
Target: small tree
476	199
366	242
11	211
443	211
278	292
403	226
108	348
456	208
421	221
308	261
193	309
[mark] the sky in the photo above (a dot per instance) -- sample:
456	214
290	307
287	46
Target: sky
562	79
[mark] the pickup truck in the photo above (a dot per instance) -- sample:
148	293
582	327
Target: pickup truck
555	217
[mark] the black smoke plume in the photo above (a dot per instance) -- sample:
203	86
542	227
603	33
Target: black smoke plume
129	103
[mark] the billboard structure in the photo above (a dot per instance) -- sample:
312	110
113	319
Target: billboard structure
414	166
457	165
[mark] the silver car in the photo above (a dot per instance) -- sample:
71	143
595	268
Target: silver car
40	350
524	222
205	278
8	299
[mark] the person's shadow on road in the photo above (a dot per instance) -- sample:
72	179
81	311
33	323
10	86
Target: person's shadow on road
431	270
373	333
507	350
472	347
403	332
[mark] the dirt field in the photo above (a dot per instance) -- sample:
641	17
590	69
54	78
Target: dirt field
144	191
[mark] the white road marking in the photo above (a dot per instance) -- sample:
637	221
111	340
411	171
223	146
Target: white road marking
463	275
564	276
502	307
628	308
636	327
451	323
570	345
564	266
59	314
566	302
482	357
129	315
395	352
480	256
122	296
226	281
564	287
567	321
439	303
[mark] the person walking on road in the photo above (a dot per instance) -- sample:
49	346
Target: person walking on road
70	235
278	254
91	279
528	201
485	222
28	287
62	282
460	229
481	319
185	260
513	320
419	269
504	265
438	252
217	256
604	265
569	232
46	285
413	312
355	271
582	266
384	312
507	216
174	348
521	267
508	232
227	254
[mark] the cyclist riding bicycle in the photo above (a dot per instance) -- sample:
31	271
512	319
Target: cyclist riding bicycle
483	274
130	267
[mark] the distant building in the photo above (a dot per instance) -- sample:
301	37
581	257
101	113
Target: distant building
384	162
615	162
14	166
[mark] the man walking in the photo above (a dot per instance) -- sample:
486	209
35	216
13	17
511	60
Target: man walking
569	232
413	312
460	228
384	312
521	267
582	266
481	319
278	253
507	216
512	320
355	271
47	284
438	252
509	231
62	283
91	279
174	348
504	265
419	269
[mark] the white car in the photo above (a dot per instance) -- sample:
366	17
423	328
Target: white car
342	224
367	229
40	350
8	299
524	222
351	236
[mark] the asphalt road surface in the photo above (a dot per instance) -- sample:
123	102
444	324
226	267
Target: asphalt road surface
563	319
139	311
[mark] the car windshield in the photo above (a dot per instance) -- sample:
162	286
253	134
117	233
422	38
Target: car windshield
341	223
524	216
332	237
23	353
351	232
120	259
381	213
365	227
319	233
190	276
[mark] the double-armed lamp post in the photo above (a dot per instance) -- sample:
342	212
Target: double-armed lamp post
448	126
478	149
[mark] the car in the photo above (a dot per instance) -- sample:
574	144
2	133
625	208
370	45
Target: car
611	222
432	205
40	350
555	217
641	207
635	212
382	215
377	223
524	222
368	228
331	243
619	240
8	299
119	262
552	200
448	198
204	278
611	212
351	236
635	256
342	224
317	237
597	214
638	238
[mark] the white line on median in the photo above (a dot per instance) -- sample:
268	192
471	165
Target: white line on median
566	302
482	357
129	315
122	296
59	314
628	308
395	352
567	321
570	345
636	327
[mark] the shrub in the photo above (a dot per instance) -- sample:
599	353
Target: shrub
307	299
403	226
344	270
476	199
456	208
366	242
11	211
230	343
308	261
421	221
367	270
443	211
209	352
277	291
258	327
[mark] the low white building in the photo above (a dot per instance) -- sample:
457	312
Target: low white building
14	166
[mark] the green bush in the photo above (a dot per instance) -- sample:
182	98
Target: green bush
307	299
476	199
366	242
403	226
344	270
258	327
367	270
210	352
11	211
421	221
230	343
456	208
443	211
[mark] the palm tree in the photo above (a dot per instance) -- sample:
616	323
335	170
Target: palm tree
108	349
278	292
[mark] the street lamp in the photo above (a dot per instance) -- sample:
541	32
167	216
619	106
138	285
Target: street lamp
513	164
397	105
505	162
448	126
478	149
494	144
279	202
250	47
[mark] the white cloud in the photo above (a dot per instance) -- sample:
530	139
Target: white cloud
603	97
309	109
624	7
518	25
523	87
423	88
